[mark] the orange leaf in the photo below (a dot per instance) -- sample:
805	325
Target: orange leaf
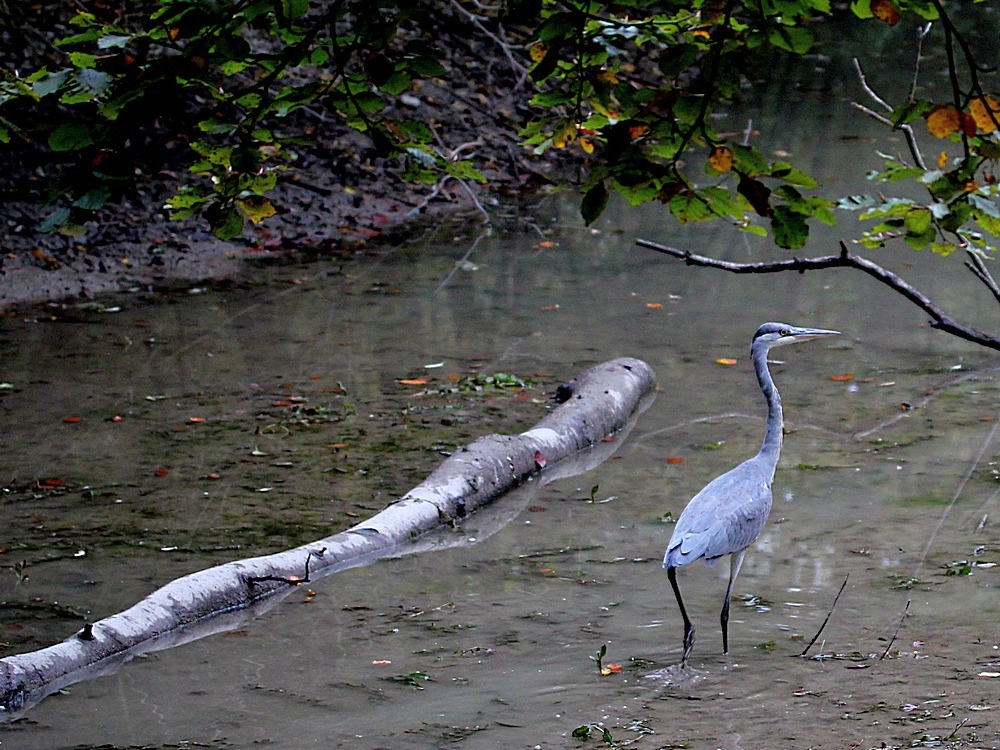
195	420
675	460
637	131
841	378
544	243
884	10
50	483
281	403
942	160
653	305
71	420
614	668
943	121
116	418
721	159
414	381
985	110
608	439
454	378
546	570
161	472
381	662
551	307
725	361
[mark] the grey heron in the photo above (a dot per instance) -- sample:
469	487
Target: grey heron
727	515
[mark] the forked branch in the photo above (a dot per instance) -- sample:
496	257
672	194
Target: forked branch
939	318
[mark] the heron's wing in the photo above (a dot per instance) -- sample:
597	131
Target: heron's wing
725	517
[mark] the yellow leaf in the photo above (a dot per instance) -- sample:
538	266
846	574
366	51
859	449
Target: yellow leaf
884	10
538	50
564	136
587	145
943	160
943	121
701	33
725	361
611	114
985	110
721	158
637	131
257	208
607	76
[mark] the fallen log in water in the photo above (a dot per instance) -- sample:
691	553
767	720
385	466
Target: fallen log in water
595	404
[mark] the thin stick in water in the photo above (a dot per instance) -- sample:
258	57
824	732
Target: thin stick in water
898	626
818	632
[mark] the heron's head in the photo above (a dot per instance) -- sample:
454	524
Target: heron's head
778	334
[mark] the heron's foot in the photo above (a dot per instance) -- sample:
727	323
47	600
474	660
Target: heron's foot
688	645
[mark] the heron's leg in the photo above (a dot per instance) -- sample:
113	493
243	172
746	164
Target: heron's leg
688	626
735	563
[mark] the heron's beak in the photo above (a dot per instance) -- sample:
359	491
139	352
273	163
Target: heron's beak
805	334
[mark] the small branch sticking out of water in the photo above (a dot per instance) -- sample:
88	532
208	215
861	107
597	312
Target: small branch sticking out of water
893	639
835	600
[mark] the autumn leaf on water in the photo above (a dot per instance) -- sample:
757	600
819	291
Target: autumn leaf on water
161	472
71	420
725	361
195	420
675	460
985	110
543	243
721	159
414	381
281	403
48	484
943	121
884	10
841	378
654	305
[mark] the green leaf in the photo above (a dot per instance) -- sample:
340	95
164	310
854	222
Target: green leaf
226	223
595	200
427	67
787	173
689	206
464	170
93	82
70	137
944	249
917	221
112	41
789	227
985	205
749	161
559	26
55	220
216	126
51	83
792	39
83	60
93	200
396	84
862	8
259	184
292	9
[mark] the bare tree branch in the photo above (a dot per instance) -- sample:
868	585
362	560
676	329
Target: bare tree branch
939	318
983	274
911	139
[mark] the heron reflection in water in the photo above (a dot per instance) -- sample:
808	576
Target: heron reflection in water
727	516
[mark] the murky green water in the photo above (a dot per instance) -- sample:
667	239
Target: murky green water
489	646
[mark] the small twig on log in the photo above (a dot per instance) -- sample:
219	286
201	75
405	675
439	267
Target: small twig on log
290	580
939	318
898	626
911	139
818	632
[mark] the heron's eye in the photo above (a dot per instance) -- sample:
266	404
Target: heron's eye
785	332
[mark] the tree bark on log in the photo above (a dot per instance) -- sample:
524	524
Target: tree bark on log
595	404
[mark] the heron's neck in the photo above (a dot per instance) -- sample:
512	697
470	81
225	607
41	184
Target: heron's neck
771	446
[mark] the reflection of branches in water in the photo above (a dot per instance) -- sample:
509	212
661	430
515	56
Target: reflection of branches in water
958	492
932	394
